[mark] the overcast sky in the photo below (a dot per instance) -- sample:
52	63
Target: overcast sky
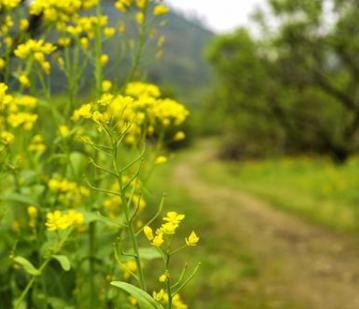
220	15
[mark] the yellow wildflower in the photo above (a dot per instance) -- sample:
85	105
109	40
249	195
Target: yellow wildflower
7	137
24	24
24	80
148	232
192	240
64	131
106	86
160	10
32	213
109	32
2	63
158	240
104	59
161	160
140	18
179	136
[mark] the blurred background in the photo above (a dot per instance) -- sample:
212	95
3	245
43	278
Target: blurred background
270	171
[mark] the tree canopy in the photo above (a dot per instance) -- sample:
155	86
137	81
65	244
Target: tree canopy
297	87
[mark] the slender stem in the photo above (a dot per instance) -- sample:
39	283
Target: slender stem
129	221
30	284
98	52
168	282
92	251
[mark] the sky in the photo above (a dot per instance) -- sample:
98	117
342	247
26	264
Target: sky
219	15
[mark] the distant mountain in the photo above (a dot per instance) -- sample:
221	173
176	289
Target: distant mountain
183	65
182	71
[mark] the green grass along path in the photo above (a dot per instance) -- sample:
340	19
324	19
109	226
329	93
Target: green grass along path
300	265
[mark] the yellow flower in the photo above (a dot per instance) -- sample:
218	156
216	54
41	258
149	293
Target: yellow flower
37	144
141	4
128	268
140	18
132	300
160	296
109	32
58	221
192	240
164	277
104	59
64	131
148	232
32	46
161	160
106	86
7	137
160	10
158	240
24	80
24	24
169	228
2	63
173	217
32	212
85	111
179	136
177	302
84	42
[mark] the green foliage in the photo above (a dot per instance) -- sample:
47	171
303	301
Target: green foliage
145	300
296	87
313	188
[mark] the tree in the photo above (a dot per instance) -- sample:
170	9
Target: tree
306	75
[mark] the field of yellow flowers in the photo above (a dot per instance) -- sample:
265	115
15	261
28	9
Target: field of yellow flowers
76	228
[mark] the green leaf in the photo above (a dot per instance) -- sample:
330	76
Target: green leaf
58	303
27	265
144	299
92	216
64	261
78	163
15	197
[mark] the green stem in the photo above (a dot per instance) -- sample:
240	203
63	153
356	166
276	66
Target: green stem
92	250
29	285
168	283
98	52
129	222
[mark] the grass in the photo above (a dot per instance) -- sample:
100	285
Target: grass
228	276
314	188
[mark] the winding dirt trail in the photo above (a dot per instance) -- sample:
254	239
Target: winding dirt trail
313	267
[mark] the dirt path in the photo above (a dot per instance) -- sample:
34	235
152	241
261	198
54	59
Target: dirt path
309	265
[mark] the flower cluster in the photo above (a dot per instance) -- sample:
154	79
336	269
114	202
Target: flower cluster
69	192
57	221
162	297
36	50
16	112
171	222
60	12
122	134
37	144
9	4
140	112
124	5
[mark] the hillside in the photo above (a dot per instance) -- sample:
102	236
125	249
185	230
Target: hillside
183	65
182	70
